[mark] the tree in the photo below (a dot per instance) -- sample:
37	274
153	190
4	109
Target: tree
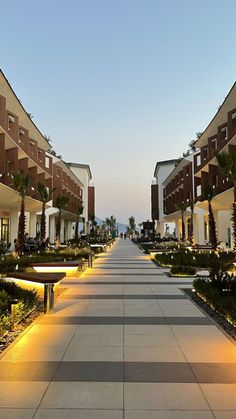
111	224
191	205
61	203
44	193
21	184
227	164
207	195
181	206
79	212
132	224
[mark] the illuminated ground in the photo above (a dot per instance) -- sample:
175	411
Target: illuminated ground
123	342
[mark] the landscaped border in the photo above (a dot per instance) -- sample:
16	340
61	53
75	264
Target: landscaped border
221	321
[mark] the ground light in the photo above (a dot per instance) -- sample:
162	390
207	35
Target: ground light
12	303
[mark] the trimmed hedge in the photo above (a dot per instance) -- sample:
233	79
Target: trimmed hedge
9	263
182	270
222	301
195	259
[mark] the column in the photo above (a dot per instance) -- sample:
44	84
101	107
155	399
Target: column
62	230
52	228
32	224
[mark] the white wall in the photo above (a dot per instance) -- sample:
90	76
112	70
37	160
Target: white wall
83	175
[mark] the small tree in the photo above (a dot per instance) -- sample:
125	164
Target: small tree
207	195
227	164
132	225
21	184
45	196
61	203
181	206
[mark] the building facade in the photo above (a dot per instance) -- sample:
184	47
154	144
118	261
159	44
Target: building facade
162	170
24	149
185	183
83	172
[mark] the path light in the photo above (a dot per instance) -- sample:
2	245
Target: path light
12	303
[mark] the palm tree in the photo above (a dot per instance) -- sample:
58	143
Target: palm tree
78	213
132	225
181	206
21	183
207	195
191	204
45	196
111	224
227	164
61	203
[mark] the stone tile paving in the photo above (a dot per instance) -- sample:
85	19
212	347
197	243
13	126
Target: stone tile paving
124	342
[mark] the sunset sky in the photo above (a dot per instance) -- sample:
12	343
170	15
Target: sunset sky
119	84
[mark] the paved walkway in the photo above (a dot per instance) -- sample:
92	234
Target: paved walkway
123	342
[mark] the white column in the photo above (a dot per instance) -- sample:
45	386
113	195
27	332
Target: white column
223	224
52	228
69	230
199	228
14	217
32	224
62	230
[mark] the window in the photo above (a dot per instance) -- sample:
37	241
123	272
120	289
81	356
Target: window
47	162
198	160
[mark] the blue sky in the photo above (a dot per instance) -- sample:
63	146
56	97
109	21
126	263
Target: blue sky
120	84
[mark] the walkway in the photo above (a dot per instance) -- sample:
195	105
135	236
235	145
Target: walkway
123	342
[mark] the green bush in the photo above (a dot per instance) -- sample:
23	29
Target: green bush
10	263
27	300
196	259
225	304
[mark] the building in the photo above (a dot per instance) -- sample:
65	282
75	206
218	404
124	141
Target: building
184	182
66	184
83	172
162	170
24	149
220	135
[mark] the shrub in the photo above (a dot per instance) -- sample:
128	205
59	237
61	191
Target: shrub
225	304
27	300
182	270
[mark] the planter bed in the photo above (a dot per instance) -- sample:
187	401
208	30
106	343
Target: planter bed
69	267
229	328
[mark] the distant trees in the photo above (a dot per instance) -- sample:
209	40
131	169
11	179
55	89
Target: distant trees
110	223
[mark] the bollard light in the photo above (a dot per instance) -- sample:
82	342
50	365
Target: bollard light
12	303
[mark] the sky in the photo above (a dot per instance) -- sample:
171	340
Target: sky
119	84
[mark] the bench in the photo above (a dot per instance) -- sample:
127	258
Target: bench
69	267
46	279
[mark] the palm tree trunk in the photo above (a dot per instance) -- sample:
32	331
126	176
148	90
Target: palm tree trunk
21	227
58	227
77	229
212	227
183	226
43	223
234	219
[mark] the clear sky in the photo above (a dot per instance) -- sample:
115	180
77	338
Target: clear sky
119	84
